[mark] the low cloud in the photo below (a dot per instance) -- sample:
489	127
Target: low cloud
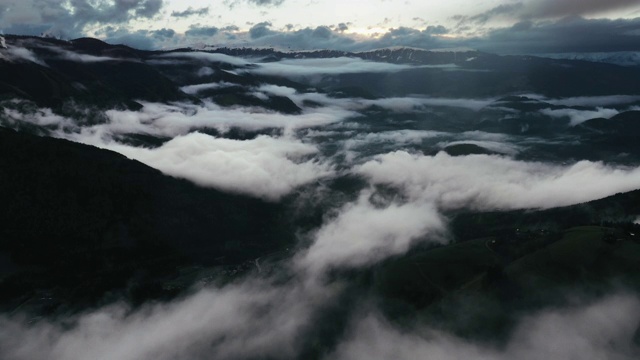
264	167
194	89
594	101
179	119
485	182
370	230
577	117
413	103
20	54
250	319
603	330
325	67
206	57
40	117
86	58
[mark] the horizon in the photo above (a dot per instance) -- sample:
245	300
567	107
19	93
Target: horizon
499	26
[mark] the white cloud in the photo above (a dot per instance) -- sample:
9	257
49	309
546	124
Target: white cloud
245	320
396	137
577	117
21	54
595	101
323	67
263	167
41	117
603	330
79	57
178	119
278	90
207	57
494	182
365	231
194	89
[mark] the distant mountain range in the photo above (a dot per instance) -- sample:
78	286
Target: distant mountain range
50	72
331	131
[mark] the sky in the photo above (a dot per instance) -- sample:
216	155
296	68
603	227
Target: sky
500	26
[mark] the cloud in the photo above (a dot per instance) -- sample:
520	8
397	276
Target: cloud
84	58
266	3
202	31
563	8
69	19
485	182
260	30
207	57
603	330
370	230
568	35
179	119
191	12
264	167
39	117
249	319
547	9
139	39
194	89
327	67
21	54
413	103
594	101
579	116
395	137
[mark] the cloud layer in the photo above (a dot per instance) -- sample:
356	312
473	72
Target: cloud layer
263	167
486	182
598	331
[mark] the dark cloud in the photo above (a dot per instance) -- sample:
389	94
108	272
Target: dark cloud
322	32
85	11
190	12
547	9
261	30
233	3
266	2
561	8
325	37
436	30
230	28
567	35
563	36
207	31
140	39
501	10
164	33
68	19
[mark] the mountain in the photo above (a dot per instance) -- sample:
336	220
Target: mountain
93	72
82	215
253	196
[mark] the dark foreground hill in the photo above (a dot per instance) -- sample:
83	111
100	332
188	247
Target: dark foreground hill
78	217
